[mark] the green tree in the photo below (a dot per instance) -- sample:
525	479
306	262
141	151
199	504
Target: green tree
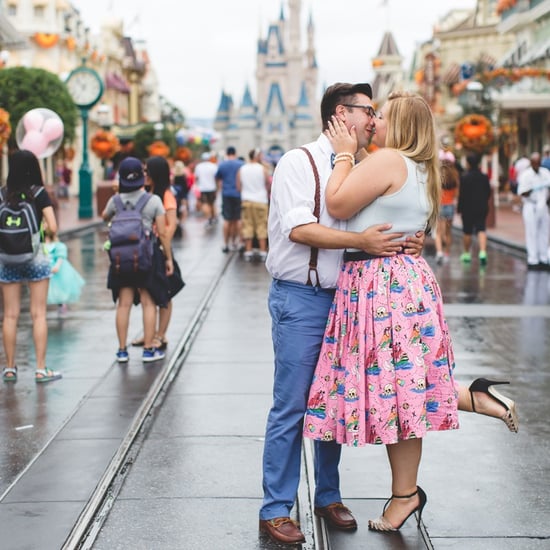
147	135
23	89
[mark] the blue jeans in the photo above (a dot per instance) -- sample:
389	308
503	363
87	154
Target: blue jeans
299	314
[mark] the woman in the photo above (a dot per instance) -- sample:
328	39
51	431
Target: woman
158	180
385	372
449	184
25	183
134	288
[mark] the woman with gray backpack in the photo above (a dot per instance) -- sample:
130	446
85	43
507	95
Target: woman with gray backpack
24	205
131	214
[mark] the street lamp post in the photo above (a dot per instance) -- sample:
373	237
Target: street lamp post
85	173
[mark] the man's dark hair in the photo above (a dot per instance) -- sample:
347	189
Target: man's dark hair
231	151
341	92
473	160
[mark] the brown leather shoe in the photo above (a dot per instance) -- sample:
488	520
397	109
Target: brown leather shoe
283	530
338	516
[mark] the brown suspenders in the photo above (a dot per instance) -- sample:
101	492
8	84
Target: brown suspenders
316	212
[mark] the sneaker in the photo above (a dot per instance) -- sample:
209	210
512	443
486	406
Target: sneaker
466	257
152	354
122	356
225	249
483	257
439	258
262	255
248	255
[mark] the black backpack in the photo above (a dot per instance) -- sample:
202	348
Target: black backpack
19	229
131	245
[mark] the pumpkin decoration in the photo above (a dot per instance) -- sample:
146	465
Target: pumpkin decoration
46	39
183	153
158	149
475	133
5	127
104	144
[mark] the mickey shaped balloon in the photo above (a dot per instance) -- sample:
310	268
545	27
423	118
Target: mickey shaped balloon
40	131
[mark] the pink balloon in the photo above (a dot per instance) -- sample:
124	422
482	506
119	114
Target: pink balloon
53	128
35	142
33	120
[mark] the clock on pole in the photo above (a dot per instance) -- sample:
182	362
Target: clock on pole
86	88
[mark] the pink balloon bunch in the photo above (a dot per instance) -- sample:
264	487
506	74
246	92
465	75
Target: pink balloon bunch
40	131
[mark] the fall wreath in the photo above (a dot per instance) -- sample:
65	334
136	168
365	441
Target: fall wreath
104	144
475	133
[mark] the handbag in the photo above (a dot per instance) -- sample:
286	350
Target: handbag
175	281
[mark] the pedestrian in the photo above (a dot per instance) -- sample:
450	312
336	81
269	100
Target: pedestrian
253	184
449	190
25	184
180	185
205	180
65	282
534	190
137	287
300	297
385	371
473	206
226	178
158	180
545	161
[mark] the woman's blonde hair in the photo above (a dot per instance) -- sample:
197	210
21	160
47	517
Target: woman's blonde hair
410	129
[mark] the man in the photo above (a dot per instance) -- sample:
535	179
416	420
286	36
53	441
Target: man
534	190
473	206
299	311
226	178
545	162
205	177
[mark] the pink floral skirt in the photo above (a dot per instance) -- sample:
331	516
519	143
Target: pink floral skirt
385	371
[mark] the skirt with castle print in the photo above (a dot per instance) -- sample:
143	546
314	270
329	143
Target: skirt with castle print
385	371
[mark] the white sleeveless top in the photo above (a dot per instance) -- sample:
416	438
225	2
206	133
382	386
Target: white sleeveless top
407	209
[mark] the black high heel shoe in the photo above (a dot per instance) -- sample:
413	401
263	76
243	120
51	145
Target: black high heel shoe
382	524
483	385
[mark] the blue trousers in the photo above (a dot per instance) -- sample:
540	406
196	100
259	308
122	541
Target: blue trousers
299	314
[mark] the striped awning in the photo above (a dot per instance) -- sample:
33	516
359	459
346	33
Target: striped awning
451	75
538	52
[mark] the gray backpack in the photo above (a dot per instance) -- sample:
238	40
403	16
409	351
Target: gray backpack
131	245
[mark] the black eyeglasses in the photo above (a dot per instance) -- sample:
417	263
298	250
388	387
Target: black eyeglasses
369	111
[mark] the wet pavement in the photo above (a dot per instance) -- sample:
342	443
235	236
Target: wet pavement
195	481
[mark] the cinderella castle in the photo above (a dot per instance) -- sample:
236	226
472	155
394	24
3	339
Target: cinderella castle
285	113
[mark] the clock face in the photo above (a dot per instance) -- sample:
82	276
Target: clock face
85	87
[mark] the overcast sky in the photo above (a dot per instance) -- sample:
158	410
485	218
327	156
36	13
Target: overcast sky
200	47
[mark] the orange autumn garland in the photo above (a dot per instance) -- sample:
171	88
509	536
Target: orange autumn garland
5	126
475	133
505	5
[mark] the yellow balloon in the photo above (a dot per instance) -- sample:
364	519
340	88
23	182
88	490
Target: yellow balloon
197	139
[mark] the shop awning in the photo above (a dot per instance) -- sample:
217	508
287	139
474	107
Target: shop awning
10	39
114	81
